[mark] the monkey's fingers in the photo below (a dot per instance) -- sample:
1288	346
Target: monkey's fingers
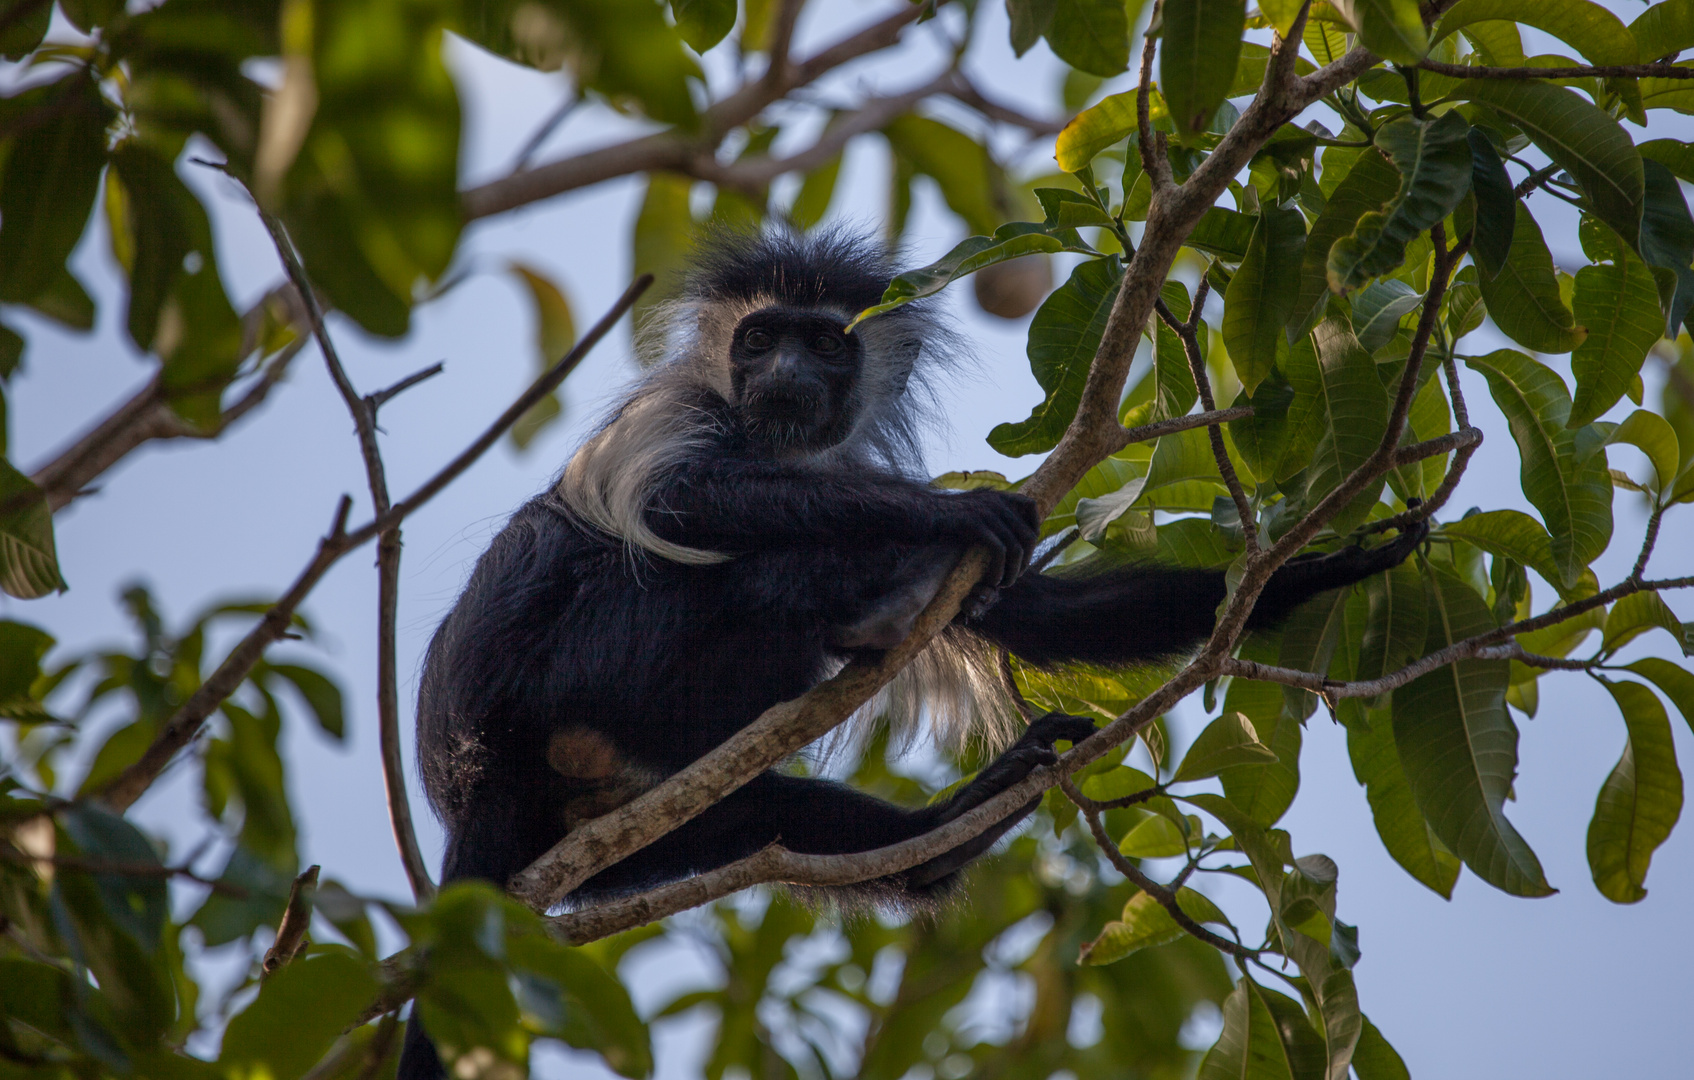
1057	727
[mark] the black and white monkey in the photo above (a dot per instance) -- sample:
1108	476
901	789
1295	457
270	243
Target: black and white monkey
752	514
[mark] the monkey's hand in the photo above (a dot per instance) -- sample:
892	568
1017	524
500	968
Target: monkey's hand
1300	579
1008	525
1020	759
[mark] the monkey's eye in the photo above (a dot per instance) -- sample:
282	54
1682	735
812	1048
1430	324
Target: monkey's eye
826	345
758	340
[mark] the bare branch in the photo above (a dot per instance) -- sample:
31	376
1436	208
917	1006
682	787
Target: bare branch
1188	333
1647	543
363	411
1153	161
382	397
1580	71
183	725
296	920
558	116
964	91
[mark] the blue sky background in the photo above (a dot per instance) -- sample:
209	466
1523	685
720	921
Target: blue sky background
1485	985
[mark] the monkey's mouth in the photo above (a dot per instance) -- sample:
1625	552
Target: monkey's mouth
783	418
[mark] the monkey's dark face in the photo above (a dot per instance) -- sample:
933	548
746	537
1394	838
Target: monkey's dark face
793	374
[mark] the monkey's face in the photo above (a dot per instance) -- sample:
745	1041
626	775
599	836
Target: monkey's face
793	373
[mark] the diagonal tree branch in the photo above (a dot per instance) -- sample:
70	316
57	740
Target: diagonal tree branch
1580	71
183	725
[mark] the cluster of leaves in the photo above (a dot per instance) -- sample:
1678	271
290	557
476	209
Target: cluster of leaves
1326	267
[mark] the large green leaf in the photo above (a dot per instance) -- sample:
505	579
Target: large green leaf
1596	33
1459	747
1397	622
703	23
1677	683
1664	29
1091	35
1638	613
1174	392
48	179
1260	298
1653	436
1434	161
1263	792
1640	801
1368	186
1266	1036
1667	240
1584	140
1405	834
1197	59
29	564
1063	338
1514	535
299	1011
957	163
1618	302
1523	297
1145	923
1496	206
1392	29
1110	120
1374	1059
1345	380
1571	489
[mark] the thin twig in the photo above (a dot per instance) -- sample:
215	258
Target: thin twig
558	116
183	725
296	920
1647	543
1166	897
122	868
382	397
363	411
1153	161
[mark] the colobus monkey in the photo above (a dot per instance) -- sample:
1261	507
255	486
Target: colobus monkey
751	515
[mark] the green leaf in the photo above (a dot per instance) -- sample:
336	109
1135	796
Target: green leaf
1523	298
135	903
816	191
1110	120
1344	379
1638	613
321	695
29	566
1144	924
1496	205
1572	491
1664	29
1667	240
1459	747
1618	302
1063	338
1010	241
1029	22
24	30
1434	161
1674	682
1397	622
299	1012
1116	783
580	1002
1156	837
1368	186
1652	435
1228	740
555	333
1640	801
1224	233
1378	309
1582	139
224	918
1392	29
1673	154
1197	59
661	242
48	181
21	650
1266	1036
1514	535
1261	295
703	23
1374	1059
957	163
1173	375
1260	794
1405	834
1596	33
1091	35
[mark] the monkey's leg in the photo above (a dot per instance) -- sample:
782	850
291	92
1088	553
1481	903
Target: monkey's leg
1147	612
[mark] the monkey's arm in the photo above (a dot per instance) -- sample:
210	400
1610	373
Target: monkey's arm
734	504
1149	612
